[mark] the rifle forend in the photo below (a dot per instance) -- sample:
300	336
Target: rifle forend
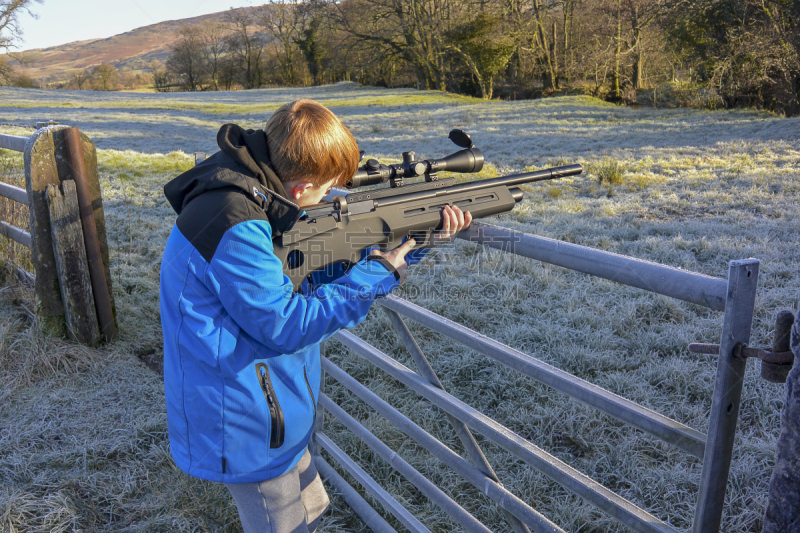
339	231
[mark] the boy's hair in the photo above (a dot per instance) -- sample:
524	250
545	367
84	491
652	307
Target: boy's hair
307	141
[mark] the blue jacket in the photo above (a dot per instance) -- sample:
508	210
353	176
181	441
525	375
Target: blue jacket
241	349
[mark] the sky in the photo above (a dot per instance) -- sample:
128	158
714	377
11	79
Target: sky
65	21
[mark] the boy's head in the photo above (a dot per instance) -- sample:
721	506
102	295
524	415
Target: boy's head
310	149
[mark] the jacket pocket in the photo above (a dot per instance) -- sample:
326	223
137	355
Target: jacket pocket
275	414
310	392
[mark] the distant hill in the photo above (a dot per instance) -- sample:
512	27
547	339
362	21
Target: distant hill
135	50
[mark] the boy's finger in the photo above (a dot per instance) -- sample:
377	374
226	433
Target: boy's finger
460	215
445	220
454	221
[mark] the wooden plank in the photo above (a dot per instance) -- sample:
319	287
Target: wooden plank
93	179
91	241
40	171
16	194
13	142
70	258
15	234
71	265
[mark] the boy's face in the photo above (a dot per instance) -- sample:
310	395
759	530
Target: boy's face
304	193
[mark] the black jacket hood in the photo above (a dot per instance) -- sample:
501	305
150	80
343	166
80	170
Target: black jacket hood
244	157
235	184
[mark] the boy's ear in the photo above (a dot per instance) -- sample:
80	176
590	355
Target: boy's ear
298	188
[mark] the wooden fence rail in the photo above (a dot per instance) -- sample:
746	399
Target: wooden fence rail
63	285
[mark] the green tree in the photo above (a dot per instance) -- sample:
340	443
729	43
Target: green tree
411	30
484	47
747	50
311	42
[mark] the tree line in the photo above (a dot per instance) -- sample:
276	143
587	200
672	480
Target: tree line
725	52
718	53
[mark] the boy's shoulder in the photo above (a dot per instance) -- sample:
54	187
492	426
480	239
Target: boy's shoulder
218	194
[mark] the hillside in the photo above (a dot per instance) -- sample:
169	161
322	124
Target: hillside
135	50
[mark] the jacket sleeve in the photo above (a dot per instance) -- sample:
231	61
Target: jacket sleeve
248	279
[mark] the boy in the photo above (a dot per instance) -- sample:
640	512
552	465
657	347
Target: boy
241	350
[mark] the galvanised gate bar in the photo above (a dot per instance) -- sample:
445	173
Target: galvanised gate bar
734	296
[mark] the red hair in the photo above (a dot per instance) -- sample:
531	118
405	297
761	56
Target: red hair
307	141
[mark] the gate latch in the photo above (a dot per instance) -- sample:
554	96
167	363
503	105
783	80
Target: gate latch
775	363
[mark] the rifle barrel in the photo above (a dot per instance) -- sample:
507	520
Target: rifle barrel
508	181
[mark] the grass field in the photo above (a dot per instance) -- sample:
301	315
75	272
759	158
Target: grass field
83	442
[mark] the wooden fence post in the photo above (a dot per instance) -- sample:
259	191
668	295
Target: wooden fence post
46	164
40	171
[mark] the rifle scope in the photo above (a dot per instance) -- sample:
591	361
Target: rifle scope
470	159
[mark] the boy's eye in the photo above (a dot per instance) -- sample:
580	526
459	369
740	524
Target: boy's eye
328	191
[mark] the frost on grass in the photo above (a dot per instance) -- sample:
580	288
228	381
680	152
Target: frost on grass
687	188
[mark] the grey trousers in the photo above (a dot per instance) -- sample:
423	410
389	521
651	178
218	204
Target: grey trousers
291	503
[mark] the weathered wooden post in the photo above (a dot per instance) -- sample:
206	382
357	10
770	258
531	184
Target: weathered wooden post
47	164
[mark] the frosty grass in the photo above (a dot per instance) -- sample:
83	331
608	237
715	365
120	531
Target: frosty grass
83	444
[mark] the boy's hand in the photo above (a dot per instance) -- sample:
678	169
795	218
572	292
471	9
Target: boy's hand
397	257
453	221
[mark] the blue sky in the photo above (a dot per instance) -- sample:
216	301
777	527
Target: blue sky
65	21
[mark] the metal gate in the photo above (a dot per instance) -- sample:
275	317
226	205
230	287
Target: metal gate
735	296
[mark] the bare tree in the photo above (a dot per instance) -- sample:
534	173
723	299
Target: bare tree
246	46
81	78
11	31
281	20
187	64
228	73
213	38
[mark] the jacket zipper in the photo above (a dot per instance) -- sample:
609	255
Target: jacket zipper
275	413
313	400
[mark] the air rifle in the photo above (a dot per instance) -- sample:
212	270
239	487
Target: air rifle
339	231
